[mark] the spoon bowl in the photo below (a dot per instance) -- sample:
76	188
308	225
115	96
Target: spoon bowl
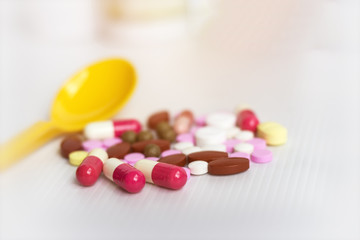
95	93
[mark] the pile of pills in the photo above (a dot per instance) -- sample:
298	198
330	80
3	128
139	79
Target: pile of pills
170	150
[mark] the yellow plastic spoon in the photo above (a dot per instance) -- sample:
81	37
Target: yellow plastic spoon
95	93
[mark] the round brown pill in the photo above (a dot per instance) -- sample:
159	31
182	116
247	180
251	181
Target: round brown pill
155	118
140	146
207	156
227	166
119	150
145	135
162	127
152	150
70	144
176	159
129	136
169	135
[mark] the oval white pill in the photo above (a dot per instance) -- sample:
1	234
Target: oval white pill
244	147
245	135
223	120
190	150
198	167
217	147
182	145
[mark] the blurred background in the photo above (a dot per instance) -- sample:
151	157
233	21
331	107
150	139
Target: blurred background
187	52
294	62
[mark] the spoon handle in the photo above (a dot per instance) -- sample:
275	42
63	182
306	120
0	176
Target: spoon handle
26	142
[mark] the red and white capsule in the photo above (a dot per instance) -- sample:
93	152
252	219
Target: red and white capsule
90	169
247	120
162	174
110	129
124	175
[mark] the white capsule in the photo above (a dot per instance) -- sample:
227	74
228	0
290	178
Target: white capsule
182	145
190	150
244	147
222	120
245	135
198	167
217	147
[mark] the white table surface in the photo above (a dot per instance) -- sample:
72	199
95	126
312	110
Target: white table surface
295	62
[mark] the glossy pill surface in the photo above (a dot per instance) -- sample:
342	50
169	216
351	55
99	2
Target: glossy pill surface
124	175
140	146
162	174
207	156
70	144
247	120
119	150
228	166
109	129
90	169
177	159
154	119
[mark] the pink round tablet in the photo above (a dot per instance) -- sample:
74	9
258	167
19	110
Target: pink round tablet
187	170
111	142
240	155
261	156
133	157
91	144
258	143
170	152
200	121
185	137
152	158
230	143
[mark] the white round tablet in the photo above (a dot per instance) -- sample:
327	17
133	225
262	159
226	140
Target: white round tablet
182	145
217	147
222	120
245	135
244	147
209	136
198	167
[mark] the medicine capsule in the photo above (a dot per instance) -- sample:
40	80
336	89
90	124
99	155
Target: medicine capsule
162	174
124	175
247	120
90	169
109	129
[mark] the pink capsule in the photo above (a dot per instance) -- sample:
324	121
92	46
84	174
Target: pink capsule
247	120
124	175
110	129
90	169
162	174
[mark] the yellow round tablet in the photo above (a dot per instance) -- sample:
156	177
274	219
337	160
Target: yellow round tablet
76	157
272	132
